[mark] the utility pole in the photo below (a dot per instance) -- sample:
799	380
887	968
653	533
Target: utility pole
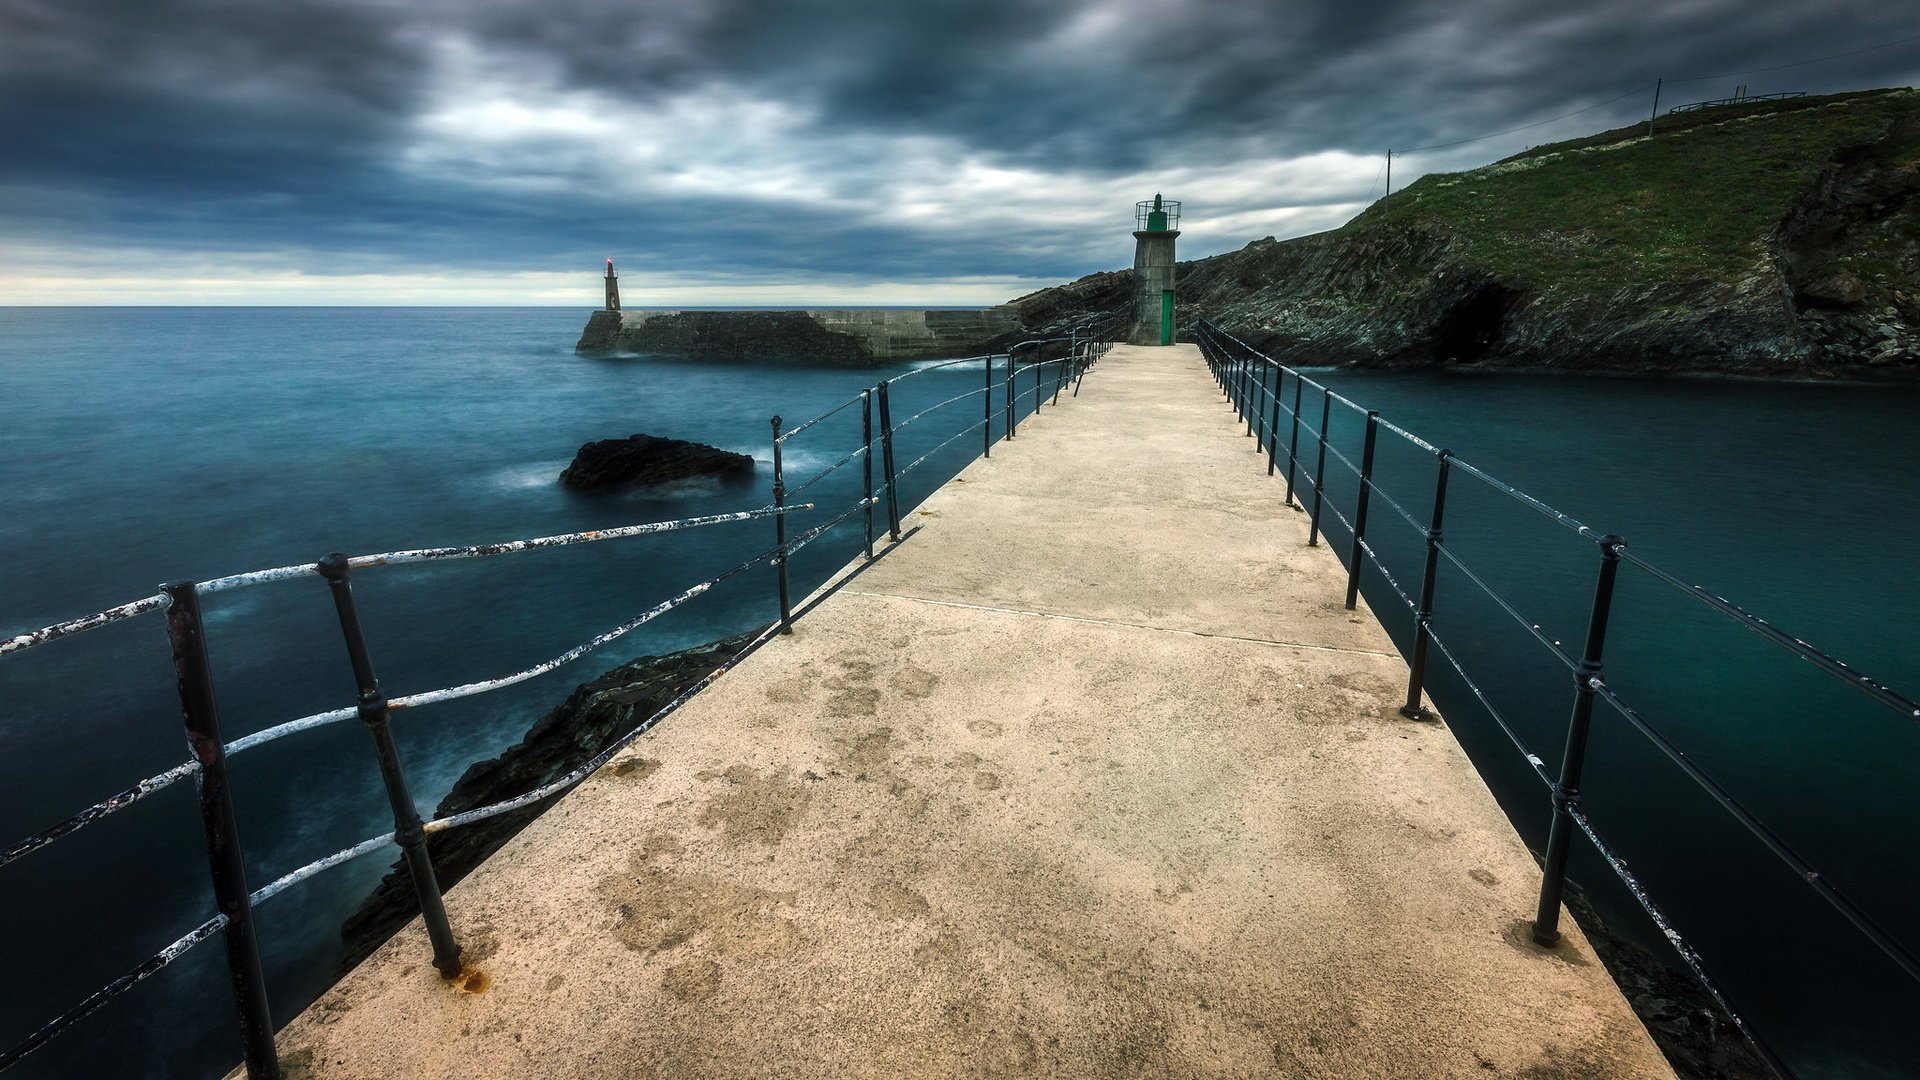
1656	106
1389	170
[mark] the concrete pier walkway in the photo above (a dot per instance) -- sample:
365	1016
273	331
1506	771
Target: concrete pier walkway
1091	776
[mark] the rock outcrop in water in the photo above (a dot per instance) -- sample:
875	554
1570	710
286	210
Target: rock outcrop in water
1772	238
640	460
592	717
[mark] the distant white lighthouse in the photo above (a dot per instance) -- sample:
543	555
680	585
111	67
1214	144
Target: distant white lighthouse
1159	226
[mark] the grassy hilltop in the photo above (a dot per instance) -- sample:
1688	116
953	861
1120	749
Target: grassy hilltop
1777	237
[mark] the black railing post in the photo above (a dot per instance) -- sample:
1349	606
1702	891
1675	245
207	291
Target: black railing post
1360	510
886	455
1320	470
1293	440
1250	399
1423	616
866	459
1273	423
780	532
193	675
1013	391
1039	362
407	828
1566	792
986	419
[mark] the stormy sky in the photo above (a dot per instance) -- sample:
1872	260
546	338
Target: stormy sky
753	151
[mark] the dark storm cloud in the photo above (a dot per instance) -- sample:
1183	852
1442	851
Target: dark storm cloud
1310	75
83	83
182	120
230	124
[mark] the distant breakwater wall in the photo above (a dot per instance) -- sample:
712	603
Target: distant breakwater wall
827	338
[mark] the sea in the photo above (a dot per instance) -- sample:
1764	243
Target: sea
149	445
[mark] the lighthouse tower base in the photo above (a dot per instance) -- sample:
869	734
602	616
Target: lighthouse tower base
1153	314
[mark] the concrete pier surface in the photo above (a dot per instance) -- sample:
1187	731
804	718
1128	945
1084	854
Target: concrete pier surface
1090	776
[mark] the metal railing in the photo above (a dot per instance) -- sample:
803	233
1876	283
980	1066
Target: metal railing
1257	386
1742	100
1056	363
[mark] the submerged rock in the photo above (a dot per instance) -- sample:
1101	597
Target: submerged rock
1700	1040
639	460
592	718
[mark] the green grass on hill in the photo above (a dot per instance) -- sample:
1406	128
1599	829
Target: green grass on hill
1696	202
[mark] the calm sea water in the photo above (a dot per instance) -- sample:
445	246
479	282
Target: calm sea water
150	445
1798	501
144	445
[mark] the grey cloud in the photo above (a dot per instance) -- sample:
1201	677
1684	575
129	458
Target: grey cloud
232	122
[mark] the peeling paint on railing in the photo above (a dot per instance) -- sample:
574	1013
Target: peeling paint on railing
111	805
81	625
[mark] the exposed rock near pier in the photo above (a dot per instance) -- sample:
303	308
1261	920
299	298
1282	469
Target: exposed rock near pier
592	717
640	460
826	338
1774	238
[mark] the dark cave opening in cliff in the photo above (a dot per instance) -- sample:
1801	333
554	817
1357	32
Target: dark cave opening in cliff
1471	327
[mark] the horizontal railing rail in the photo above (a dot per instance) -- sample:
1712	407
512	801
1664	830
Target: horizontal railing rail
1074	354
1257	386
1741	100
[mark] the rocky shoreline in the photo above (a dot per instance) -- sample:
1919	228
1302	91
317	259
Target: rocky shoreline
594	715
1700	1041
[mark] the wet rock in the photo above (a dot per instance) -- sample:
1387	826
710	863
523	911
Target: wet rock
640	460
1840	288
592	718
1700	1040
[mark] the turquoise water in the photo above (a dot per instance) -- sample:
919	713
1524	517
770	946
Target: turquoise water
143	445
1798	501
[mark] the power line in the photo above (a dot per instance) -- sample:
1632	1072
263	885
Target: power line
1800	63
1643	89
1537	123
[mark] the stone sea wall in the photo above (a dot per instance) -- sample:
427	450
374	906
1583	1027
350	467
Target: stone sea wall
832	337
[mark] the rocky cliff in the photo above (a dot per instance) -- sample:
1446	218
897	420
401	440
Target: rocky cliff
1772	238
829	338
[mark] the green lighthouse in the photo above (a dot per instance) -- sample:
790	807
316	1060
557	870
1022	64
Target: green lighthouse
1159	226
